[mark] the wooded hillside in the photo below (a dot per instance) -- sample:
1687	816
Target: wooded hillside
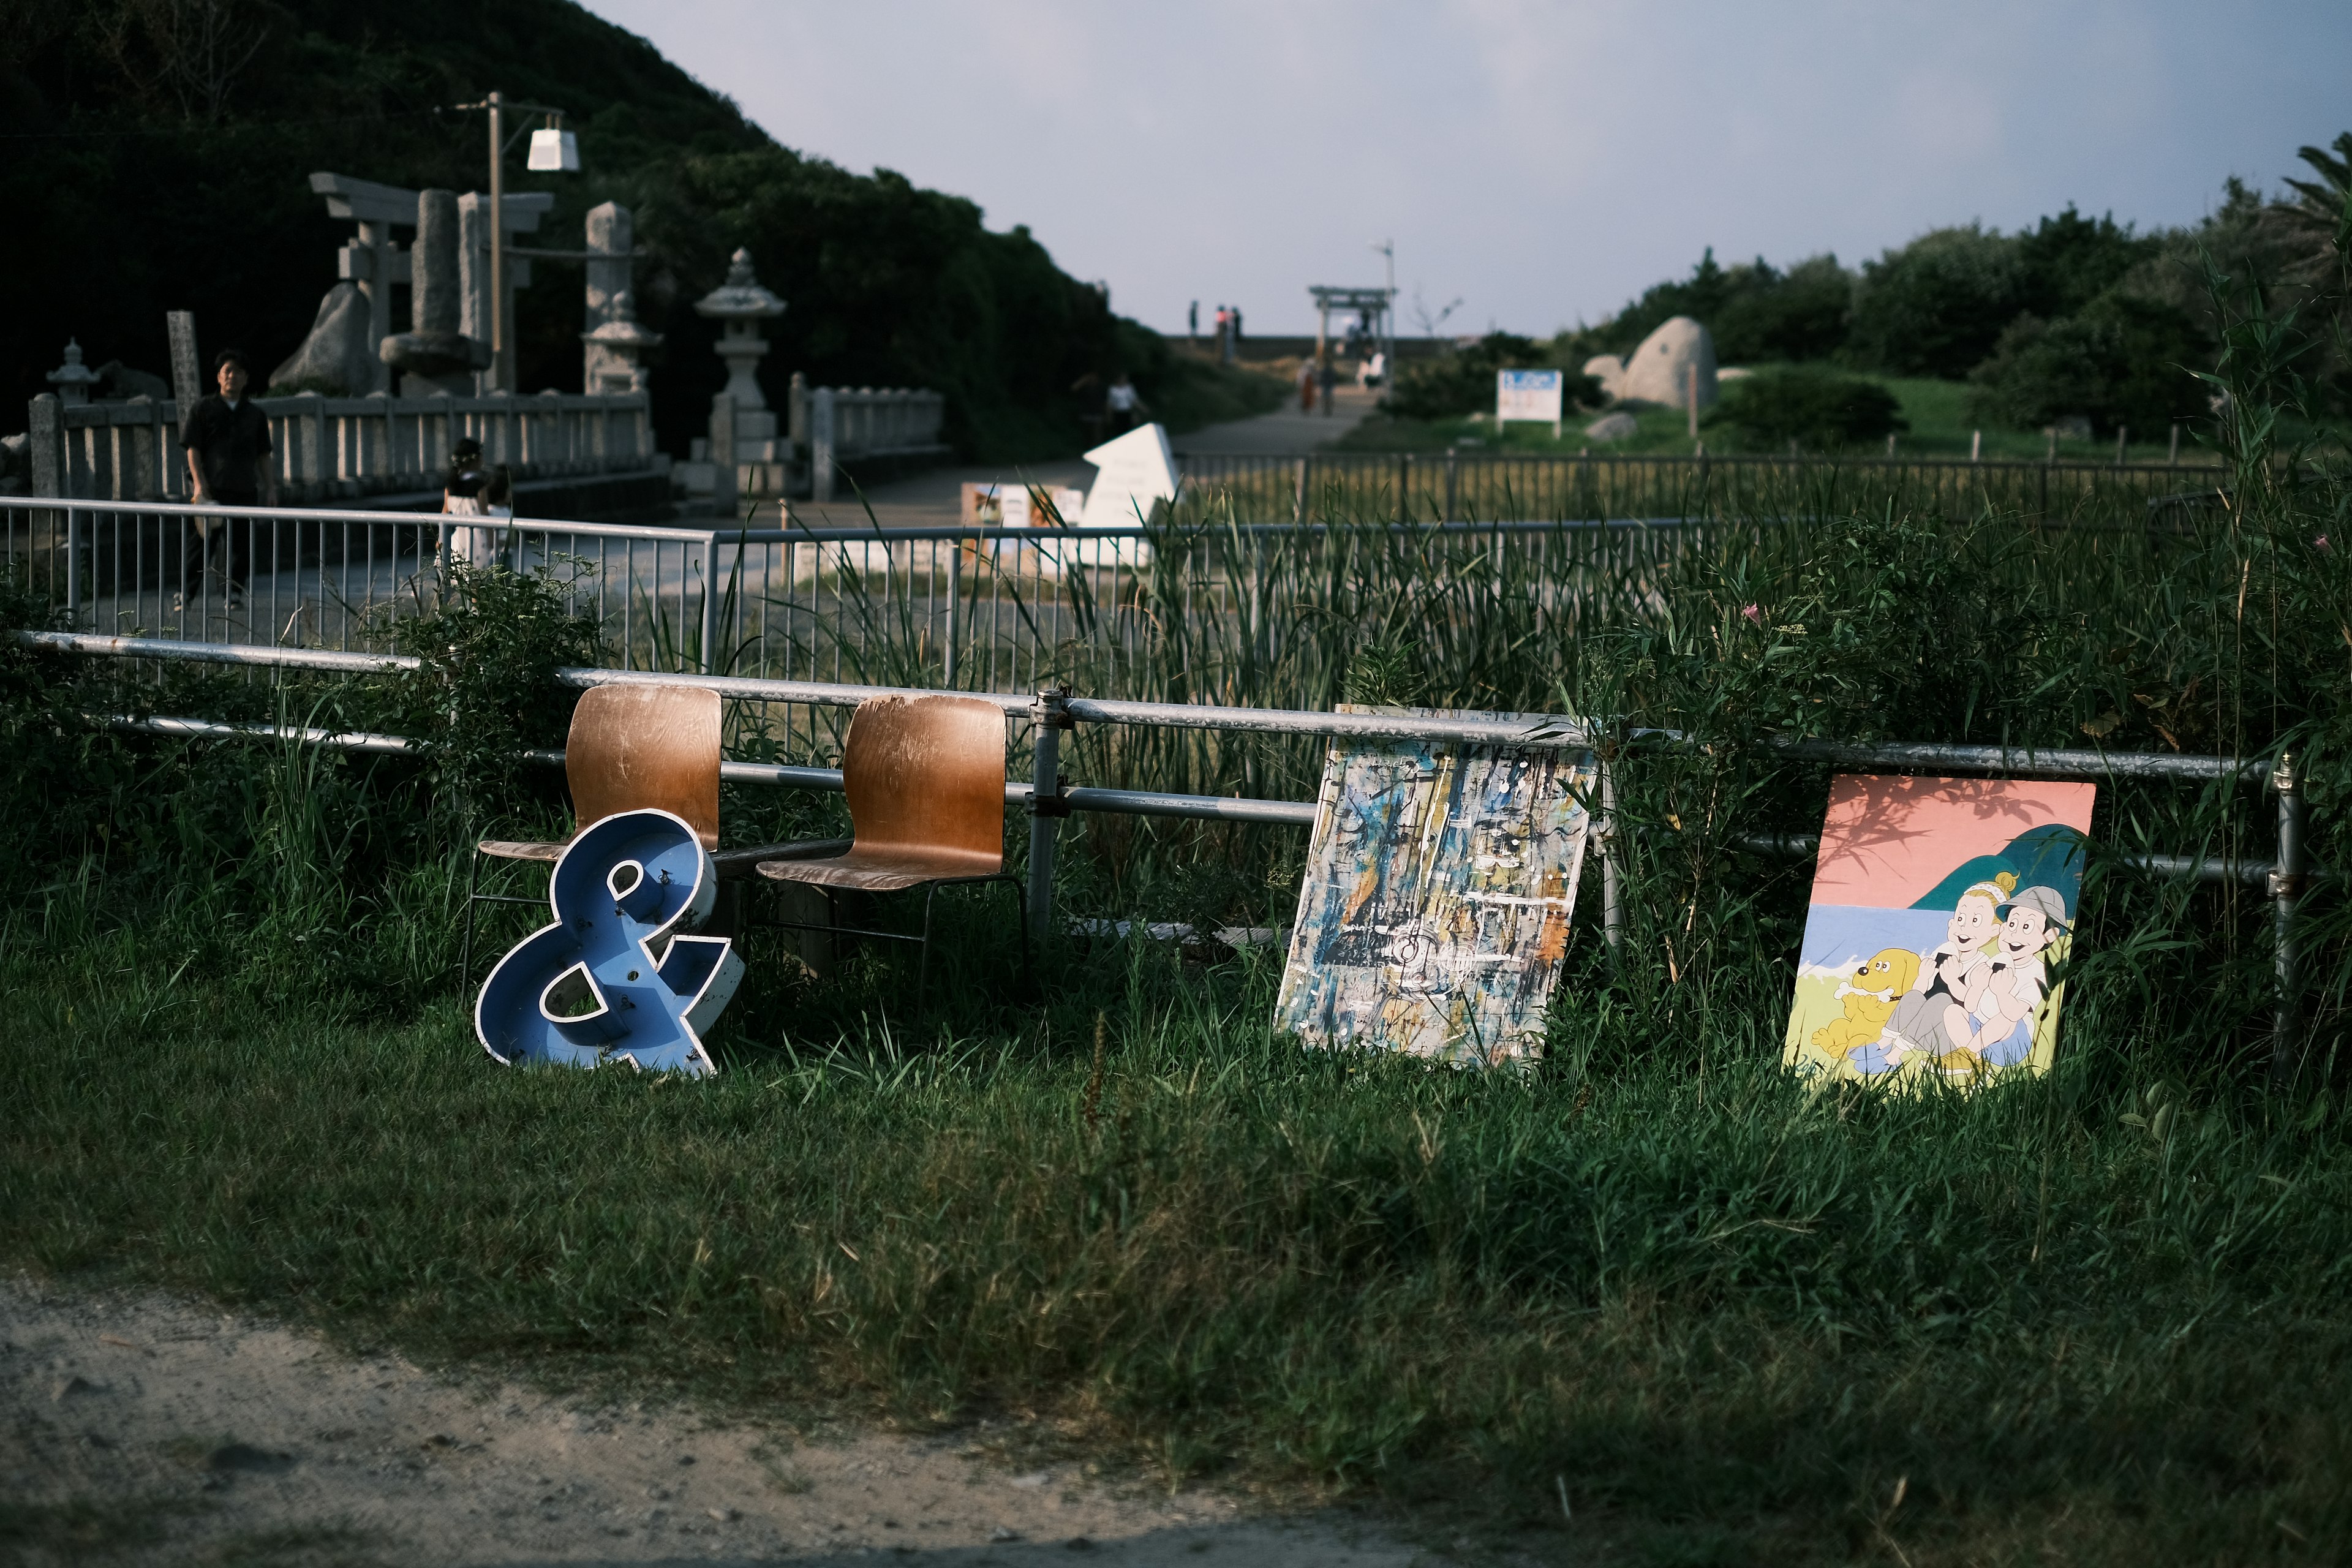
157	156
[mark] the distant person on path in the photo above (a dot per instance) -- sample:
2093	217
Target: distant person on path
1122	403
1225	333
226	437
1192	323
1330	384
1307	387
463	496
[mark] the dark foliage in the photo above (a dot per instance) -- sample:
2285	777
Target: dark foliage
1755	313
1463	382
1936	306
155	191
1817	408
2123	361
2069	260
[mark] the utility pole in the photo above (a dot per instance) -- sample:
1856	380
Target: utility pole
553	149
500	379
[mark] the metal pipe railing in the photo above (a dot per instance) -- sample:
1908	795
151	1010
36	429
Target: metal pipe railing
1054	710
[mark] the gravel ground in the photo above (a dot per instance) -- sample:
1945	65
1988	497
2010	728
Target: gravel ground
142	1428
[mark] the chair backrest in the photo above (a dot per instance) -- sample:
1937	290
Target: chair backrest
928	773
632	747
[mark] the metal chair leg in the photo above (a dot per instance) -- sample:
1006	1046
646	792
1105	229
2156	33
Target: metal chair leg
923	964
466	950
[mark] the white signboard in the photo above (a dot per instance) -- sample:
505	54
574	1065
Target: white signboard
1529	394
1138	470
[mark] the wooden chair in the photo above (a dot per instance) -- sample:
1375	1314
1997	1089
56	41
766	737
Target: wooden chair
924	777
632	747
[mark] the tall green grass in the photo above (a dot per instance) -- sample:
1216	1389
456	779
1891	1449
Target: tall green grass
2095	1317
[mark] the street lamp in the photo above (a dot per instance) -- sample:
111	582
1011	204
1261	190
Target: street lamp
553	150
1386	248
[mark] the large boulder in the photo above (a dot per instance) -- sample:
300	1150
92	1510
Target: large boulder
1659	371
337	357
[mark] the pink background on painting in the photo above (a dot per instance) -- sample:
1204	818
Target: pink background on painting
1888	841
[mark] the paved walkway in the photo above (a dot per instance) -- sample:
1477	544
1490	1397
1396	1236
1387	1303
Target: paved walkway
935	500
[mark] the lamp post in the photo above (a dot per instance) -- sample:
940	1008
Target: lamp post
1386	248
553	149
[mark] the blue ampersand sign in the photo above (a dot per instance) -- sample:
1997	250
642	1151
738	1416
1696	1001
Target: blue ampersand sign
616	977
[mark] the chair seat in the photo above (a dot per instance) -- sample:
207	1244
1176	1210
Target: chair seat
509	850
886	870
738	863
731	864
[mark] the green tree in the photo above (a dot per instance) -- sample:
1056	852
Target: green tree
2069	260
2120	362
1936	306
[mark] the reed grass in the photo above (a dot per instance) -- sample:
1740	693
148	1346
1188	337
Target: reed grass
2098	1316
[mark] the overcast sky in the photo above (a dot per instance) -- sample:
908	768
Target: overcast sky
1543	163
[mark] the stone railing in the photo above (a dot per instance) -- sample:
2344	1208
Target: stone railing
336	448
848	423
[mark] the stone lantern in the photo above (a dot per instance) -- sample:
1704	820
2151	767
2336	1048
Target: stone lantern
621	366
742	430
73	379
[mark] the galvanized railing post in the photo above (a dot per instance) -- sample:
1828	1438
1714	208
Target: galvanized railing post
1047	807
73	567
2287	890
955	594
709	601
1613	909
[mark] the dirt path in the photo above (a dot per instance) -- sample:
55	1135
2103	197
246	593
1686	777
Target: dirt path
139	1428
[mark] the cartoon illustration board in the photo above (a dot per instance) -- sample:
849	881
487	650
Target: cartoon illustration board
1436	902
1941	908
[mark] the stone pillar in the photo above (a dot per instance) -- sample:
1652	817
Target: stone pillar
612	233
437	357
821	434
48	443
436	291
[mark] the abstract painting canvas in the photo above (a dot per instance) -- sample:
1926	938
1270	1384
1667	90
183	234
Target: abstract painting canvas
1435	909
1942	911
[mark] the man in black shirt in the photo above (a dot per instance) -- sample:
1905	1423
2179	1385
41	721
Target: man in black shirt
227	441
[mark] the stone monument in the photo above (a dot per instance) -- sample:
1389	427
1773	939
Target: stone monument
611	233
338	358
435	353
743	429
616	349
1660	371
73	379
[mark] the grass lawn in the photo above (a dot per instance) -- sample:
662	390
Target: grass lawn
1940	428
1736	1323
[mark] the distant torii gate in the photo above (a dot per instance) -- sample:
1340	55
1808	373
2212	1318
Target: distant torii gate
1373	306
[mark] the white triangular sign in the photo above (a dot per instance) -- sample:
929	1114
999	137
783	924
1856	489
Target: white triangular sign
1138	470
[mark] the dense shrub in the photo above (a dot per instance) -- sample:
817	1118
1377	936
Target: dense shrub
1463	382
1816	408
2121	362
1754	311
1936	306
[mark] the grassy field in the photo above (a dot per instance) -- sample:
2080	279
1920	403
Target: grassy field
1940	428
2098	1317
1735	1323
